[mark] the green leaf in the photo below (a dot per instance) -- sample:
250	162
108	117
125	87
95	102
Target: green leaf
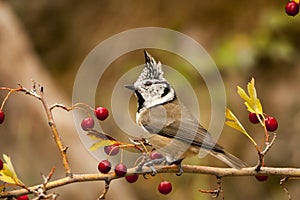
235	123
101	143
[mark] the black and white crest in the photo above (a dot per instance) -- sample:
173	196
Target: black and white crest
152	70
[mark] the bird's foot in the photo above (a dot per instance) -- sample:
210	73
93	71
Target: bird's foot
150	163
178	163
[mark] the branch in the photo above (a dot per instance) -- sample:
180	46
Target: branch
58	141
38	93
195	169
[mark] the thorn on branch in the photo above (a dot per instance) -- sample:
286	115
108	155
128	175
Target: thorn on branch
65	149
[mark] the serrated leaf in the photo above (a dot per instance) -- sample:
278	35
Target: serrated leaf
101	143
235	123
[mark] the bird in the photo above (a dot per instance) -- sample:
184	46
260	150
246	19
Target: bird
171	128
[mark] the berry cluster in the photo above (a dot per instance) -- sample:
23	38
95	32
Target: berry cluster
104	167
292	7
271	125
270	122
88	123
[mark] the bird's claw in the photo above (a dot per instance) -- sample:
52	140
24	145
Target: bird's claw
178	163
150	163
180	170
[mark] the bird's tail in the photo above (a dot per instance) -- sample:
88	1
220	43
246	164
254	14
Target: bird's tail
229	159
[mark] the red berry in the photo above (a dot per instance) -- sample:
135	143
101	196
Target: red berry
292	8
261	177
23	197
112	150
87	123
101	113
271	124
120	169
1	164
132	178
2	116
165	187
104	166
253	118
155	155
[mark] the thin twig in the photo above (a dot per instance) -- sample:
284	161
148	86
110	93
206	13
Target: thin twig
282	185
261	154
106	188
216	192
39	94
58	141
59	105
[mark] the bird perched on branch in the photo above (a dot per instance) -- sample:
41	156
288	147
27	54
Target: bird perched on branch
173	130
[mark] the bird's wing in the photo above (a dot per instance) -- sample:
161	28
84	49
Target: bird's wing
174	120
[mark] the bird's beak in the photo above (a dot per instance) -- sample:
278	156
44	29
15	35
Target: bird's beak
130	87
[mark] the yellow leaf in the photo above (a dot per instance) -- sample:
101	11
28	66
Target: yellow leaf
8	174
234	123
249	107
6	171
101	143
9	164
251	89
243	94
251	101
236	126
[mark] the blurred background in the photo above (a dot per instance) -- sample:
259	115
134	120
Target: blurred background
47	41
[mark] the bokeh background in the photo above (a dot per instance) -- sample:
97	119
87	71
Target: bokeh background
48	40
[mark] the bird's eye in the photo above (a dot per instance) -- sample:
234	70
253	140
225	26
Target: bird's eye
148	83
